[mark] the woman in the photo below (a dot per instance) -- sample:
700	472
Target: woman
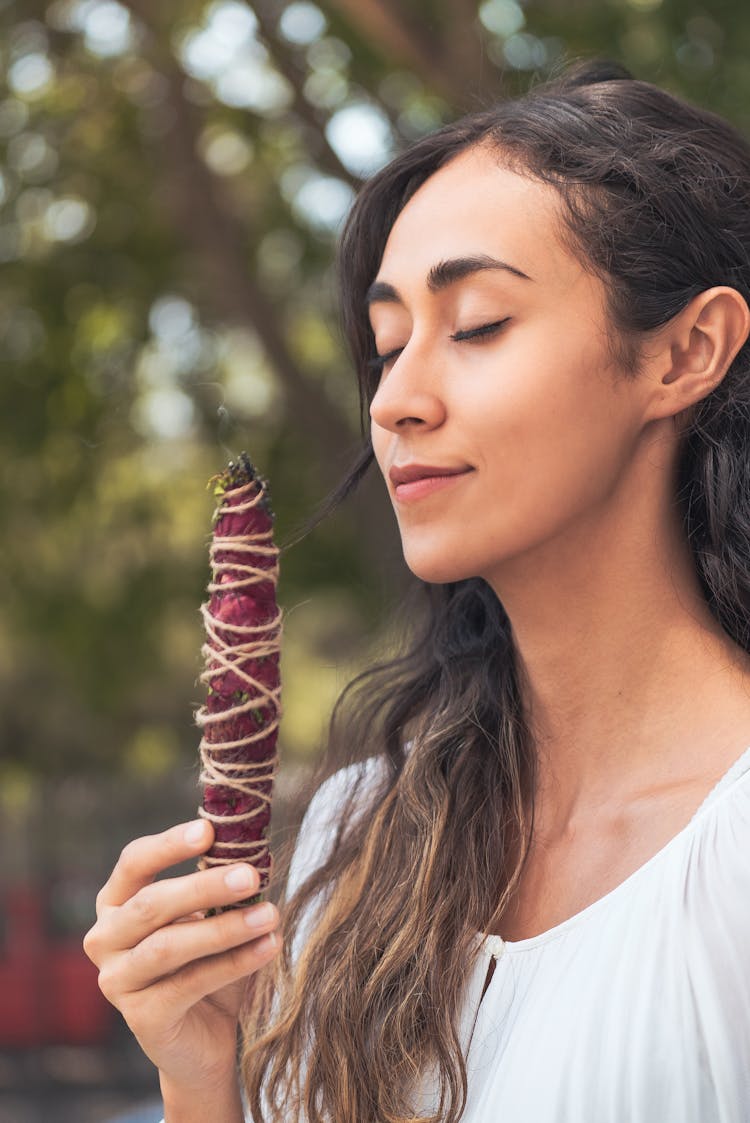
527	897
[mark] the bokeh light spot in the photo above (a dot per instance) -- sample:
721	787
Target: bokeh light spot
361	137
302	23
322	202
502	17
106	26
225	151
31	75
70	219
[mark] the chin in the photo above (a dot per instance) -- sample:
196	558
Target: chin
438	570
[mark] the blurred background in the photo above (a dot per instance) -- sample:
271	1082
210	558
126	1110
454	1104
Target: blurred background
173	174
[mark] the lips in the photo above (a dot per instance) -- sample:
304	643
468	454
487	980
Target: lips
408	473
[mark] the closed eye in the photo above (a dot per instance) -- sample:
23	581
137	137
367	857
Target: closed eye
478	333
378	362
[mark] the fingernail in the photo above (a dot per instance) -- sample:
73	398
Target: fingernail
195	832
268	943
259	915
240	878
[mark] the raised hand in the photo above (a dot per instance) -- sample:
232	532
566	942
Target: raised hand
176	975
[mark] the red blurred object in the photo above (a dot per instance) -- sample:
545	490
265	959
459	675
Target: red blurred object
49	993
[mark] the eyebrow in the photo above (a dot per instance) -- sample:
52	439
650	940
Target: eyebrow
442	275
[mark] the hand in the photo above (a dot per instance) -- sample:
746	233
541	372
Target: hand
175	975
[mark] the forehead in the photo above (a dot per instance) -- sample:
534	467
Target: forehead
478	205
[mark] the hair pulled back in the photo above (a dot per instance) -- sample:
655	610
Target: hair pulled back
656	201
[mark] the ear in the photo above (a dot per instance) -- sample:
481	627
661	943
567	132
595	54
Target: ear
695	349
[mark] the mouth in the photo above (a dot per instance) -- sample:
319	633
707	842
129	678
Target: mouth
426	485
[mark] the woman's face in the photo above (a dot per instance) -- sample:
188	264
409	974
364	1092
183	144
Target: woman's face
499	366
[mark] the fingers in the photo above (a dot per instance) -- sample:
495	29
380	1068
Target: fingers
200	979
177	975
179	992
161	903
169	950
144	858
159	947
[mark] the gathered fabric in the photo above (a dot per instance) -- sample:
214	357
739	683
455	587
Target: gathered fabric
636	1009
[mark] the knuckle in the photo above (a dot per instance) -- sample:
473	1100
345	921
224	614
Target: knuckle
144	905
130	856
90	942
156	950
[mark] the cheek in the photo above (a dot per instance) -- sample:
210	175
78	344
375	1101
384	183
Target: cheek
548	394
549	436
557	447
551	446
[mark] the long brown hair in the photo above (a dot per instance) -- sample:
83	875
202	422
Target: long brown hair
657	201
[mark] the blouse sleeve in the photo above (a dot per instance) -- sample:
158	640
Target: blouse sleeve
318	829
717	938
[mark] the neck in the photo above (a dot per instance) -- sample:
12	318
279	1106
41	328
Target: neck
627	677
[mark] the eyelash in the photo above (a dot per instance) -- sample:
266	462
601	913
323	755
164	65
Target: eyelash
378	362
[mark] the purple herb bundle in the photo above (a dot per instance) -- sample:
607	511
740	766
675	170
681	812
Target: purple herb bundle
240	717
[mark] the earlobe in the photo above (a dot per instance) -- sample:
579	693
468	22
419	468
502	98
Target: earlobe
702	342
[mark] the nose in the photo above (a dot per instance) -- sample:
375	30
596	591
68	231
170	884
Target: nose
406	396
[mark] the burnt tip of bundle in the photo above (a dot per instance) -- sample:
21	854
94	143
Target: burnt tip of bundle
238	473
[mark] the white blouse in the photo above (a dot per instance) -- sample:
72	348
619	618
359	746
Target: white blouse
636	1009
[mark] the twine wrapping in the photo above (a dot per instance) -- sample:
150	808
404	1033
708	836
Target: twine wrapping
240	718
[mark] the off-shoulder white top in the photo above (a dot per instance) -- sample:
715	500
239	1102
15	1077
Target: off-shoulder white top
636	1009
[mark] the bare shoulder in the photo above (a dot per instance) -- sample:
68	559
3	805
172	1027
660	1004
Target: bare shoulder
568	870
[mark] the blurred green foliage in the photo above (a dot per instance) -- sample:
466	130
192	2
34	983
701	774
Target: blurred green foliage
172	178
